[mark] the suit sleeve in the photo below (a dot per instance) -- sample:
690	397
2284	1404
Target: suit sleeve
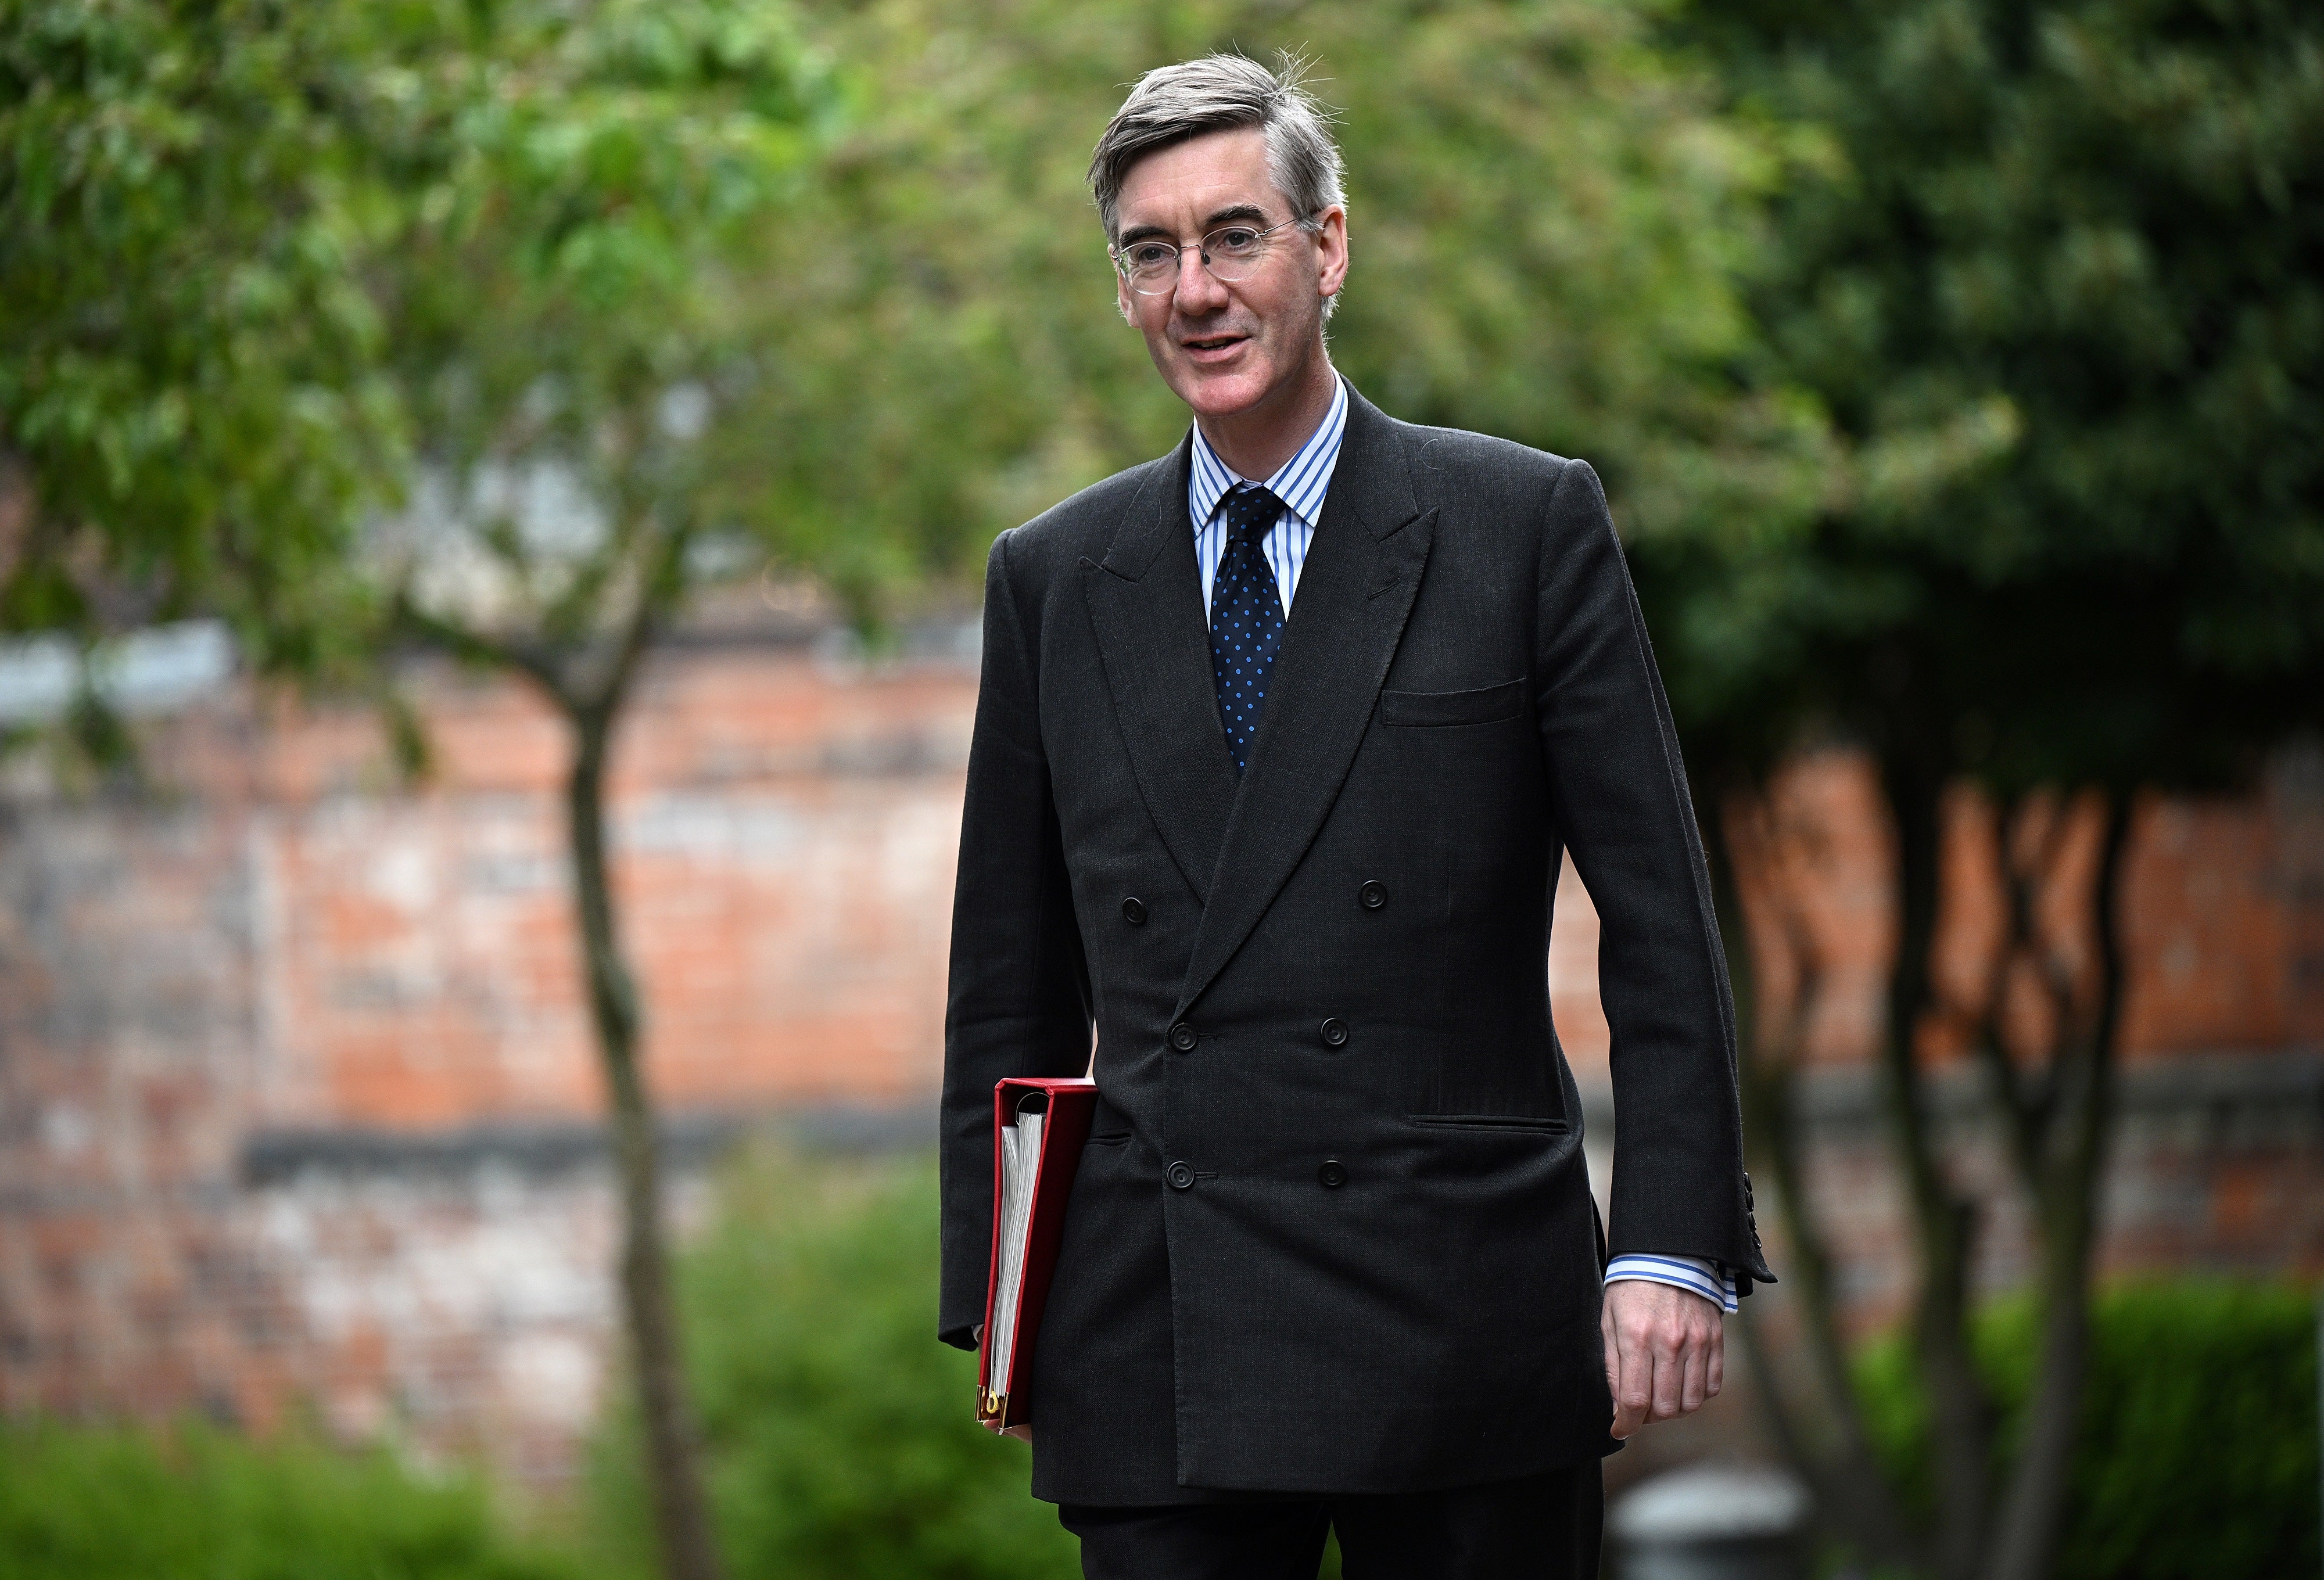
1620	795
1018	998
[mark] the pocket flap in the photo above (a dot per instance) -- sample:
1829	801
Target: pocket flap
1486	705
1538	1124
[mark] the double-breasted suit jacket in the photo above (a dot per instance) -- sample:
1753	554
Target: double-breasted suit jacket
1333	1231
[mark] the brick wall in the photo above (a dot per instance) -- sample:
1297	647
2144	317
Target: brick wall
296	1089
2217	1161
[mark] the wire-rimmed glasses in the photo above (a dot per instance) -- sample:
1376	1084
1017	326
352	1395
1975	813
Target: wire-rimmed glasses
1150	264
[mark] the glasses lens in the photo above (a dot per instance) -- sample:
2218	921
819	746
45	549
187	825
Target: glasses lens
1233	248
1231	252
1151	266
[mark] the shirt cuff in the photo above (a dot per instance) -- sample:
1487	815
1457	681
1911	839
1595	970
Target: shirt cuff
1696	1274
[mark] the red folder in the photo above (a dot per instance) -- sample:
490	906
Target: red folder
1065	1108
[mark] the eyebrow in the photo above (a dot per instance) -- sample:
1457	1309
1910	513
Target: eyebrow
1227	216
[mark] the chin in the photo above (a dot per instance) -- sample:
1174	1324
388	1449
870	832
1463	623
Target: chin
1223	394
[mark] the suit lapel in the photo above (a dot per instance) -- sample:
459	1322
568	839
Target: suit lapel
1355	593
1146	607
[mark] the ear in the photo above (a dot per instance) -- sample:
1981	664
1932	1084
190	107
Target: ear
1121	299
1331	252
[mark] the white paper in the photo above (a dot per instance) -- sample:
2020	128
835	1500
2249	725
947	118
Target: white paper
1020	1158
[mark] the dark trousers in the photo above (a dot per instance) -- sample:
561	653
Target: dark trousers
1543	1527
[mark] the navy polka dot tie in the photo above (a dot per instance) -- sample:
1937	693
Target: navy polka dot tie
1246	618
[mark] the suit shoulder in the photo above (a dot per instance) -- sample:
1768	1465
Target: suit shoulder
1510	492
1458	462
1077	527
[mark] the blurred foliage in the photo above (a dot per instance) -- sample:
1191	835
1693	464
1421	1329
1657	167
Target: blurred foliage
575	335
822	279
2196	1456
122	1503
1549	221
268	266
2055	273
840	1436
1954	365
189	387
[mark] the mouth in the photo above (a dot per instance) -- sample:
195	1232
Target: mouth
1212	347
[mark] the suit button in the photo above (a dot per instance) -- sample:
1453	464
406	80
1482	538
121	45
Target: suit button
1133	911
1181	1176
1335	1033
1183	1038
1373	894
1332	1174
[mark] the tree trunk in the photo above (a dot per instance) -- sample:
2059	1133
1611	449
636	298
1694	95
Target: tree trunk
681	1516
1944	1221
1851	1483
1852	1494
2066	1204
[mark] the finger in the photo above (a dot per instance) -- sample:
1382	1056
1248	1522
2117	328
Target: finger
1633	1398
1670	1372
1613	1355
1606	1333
1694	1380
1717	1367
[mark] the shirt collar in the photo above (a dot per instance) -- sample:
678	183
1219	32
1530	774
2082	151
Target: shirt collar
1299	482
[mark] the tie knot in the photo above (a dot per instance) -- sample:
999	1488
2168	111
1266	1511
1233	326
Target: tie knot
1251	512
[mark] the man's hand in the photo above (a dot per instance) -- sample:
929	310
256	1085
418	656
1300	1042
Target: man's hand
1665	1351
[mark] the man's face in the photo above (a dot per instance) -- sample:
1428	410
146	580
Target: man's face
1226	347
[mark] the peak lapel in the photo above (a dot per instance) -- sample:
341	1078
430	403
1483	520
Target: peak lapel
1146	608
1355	593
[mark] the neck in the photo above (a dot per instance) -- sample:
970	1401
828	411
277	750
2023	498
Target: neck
1259	439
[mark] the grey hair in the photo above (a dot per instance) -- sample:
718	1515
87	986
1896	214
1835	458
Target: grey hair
1218	93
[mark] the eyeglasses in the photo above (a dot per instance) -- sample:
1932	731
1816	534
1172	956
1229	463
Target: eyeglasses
1230	253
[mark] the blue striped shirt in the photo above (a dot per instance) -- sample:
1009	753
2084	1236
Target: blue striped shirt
1301	483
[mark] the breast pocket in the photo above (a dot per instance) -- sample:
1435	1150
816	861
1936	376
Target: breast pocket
1486	705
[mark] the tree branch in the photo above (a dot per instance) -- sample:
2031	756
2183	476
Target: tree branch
1851	1490
665	585
1944	1222
2024	1116
2066	1208
472	646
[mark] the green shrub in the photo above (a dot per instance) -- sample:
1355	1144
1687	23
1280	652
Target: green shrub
841	1435
2198	1454
198	1503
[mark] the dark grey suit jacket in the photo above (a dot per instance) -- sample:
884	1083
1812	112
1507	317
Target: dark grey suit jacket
1322	989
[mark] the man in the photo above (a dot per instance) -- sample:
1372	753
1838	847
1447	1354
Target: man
1280	740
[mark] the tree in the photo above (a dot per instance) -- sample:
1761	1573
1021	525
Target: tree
572	337
271	271
190	400
2053	273
1549	216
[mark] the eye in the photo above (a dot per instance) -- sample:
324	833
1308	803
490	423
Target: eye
1235	238
1150	254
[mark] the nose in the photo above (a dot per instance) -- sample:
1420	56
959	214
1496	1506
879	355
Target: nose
1199	292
